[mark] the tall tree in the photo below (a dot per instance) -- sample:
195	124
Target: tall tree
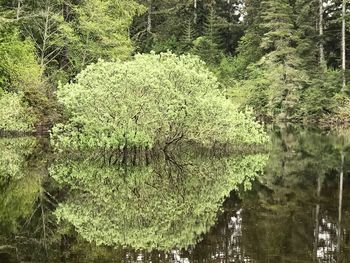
195	15
343	43
281	66
21	92
320	26
98	29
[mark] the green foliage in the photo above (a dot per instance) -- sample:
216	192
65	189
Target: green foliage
15	115
149	101
207	50
99	29
208	45
307	12
16	203
19	70
168	204
341	110
174	24
319	99
248	53
188	34
23	97
18	188
273	68
13	157
277	79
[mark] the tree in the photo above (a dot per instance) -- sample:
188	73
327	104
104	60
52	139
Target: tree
279	77
20	83
170	203
15	115
207	46
320	26
343	44
161	27
153	100
249	51
98	29
19	70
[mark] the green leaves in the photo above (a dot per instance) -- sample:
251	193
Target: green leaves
99	29
20	81
19	70
151	100
168	204
15	115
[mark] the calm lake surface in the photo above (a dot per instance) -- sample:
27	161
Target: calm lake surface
288	204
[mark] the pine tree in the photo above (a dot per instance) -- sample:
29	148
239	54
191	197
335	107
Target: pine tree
281	66
212	27
249	50
208	45
188	34
309	42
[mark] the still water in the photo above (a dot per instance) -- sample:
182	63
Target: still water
290	203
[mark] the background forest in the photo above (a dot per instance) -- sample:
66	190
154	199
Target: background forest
285	59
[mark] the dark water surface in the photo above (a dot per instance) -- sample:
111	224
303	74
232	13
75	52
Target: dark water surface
291	204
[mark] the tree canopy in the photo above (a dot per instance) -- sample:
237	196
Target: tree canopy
148	101
287	60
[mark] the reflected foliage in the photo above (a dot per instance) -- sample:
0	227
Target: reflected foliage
181	207
293	212
13	158
169	203
16	202
25	203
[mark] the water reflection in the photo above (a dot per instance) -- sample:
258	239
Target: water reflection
25	216
180	208
296	213
18	188
166	205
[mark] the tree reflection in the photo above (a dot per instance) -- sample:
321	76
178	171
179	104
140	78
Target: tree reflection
166	209
297	215
167	204
17	190
25	202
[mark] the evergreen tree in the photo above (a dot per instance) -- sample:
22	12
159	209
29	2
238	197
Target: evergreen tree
281	67
208	45
188	34
307	15
249	50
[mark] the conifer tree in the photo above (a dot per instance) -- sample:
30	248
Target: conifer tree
208	45
310	41
188	34
281	66
249	50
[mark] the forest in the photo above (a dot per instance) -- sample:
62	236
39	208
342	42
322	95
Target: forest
274	60
174	131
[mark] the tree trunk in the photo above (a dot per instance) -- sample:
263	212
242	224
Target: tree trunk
343	44
320	26
45	36
340	203
149	17
18	9
317	217
195	16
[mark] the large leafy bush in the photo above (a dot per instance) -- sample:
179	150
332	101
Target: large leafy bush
151	100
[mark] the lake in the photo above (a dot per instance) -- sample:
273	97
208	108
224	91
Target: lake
289	203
